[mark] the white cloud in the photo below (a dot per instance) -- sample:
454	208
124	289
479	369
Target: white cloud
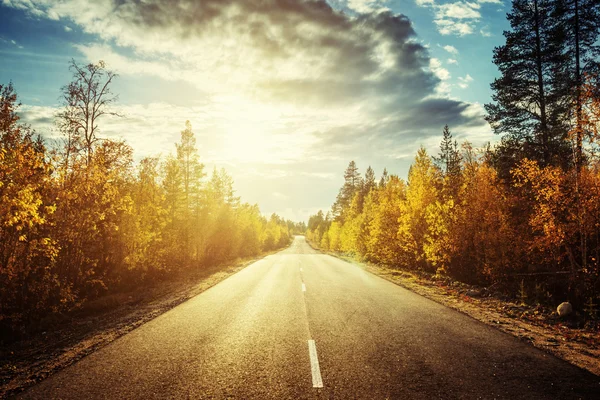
451	49
10	41
367	6
459	10
459	17
436	66
127	66
68	29
464	81
485	31
53	15
279	195
450	27
452	61
443	89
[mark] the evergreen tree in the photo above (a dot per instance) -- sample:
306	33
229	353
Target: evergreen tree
528	105
190	166
352	183
220	188
369	183
384	178
449	161
449	157
579	23
191	173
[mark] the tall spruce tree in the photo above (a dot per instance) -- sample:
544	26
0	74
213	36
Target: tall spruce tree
449	157
190	166
449	161
579	25
384	178
527	106
369	183
191	172
352	183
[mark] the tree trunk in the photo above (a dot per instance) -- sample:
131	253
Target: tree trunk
541	92
579	150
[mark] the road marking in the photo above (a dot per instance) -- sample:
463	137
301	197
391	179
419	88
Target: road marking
314	365
303	287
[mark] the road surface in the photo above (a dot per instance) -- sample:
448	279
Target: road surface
301	325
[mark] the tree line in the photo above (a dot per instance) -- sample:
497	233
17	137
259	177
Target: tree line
523	214
79	217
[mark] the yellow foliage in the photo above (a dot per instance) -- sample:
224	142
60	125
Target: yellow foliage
423	182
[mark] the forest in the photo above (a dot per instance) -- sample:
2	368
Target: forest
522	215
79	218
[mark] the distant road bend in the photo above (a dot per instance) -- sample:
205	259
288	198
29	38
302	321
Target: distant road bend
301	325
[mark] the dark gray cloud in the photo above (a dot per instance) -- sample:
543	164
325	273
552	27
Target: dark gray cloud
293	51
365	55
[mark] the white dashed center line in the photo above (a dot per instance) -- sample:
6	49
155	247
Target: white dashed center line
314	365
317	380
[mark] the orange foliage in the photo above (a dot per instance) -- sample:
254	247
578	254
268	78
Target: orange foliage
84	219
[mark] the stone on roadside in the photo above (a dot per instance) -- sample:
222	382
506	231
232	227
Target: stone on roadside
564	309
474	293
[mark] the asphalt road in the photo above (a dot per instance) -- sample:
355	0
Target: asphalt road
298	320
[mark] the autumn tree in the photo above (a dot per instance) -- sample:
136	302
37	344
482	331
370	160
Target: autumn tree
249	224
219	226
28	284
422	192
85	221
383	216
147	254
316	228
481	245
89	217
93	197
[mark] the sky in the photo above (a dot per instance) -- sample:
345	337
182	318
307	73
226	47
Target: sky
281	93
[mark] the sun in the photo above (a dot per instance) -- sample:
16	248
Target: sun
246	141
251	131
